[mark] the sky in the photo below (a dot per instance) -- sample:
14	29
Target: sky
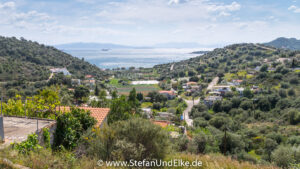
148	22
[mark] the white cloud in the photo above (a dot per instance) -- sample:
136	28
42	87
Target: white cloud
294	8
7	5
174	2
173	11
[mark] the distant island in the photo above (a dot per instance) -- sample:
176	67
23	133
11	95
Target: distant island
200	52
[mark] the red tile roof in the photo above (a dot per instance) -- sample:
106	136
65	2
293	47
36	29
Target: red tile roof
191	83
162	124
98	113
88	76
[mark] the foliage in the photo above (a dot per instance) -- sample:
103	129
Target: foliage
31	144
119	110
70	127
46	137
135	138
41	105
24	64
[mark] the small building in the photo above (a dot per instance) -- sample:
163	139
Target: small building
240	90
90	82
169	94
100	114
76	82
209	100
147	112
165	115
236	82
93	98
195	88
222	89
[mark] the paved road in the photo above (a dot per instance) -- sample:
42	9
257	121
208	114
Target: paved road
213	83
172	67
50	77
188	109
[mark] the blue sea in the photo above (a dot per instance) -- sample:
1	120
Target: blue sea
114	58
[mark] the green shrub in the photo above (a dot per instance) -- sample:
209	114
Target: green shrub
46	137
70	126
28	145
135	138
283	156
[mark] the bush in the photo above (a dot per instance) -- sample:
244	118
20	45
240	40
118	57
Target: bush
246	105
264	104
226	106
282	93
232	143
182	143
200	122
219	122
294	140
294	81
291	92
70	126
200	140
283	156
294	116
217	106
28	145
247	93
46	137
135	139
235	102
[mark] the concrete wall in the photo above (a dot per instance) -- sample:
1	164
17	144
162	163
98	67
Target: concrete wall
52	128
1	129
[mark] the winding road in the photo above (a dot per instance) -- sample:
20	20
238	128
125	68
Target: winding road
190	105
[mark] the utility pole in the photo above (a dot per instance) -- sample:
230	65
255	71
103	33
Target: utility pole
37	123
25	106
2	138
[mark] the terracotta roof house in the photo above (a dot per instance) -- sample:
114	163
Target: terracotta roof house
168	94
191	83
161	123
88	76
100	114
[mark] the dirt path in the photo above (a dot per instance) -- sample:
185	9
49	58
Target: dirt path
264	47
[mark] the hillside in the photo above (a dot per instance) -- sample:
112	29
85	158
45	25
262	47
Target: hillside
227	59
29	61
285	43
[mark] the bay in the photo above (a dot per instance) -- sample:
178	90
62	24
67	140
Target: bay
149	57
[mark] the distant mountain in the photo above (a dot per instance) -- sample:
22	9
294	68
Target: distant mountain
98	46
285	43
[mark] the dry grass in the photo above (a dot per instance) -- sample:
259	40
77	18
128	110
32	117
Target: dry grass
44	159
217	161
